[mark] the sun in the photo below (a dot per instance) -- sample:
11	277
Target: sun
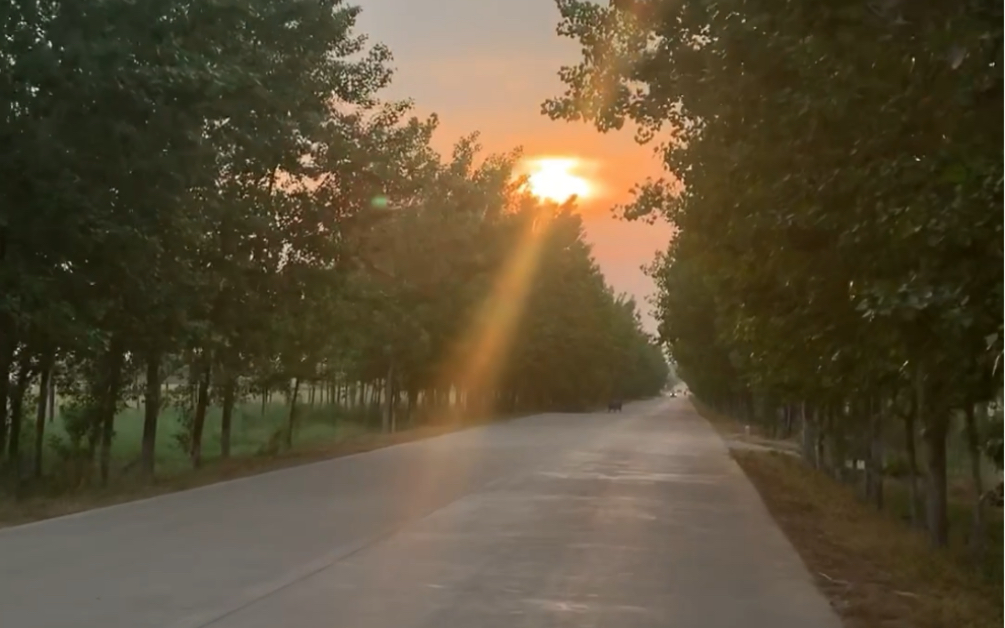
554	179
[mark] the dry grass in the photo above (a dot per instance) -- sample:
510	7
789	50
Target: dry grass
877	572
130	489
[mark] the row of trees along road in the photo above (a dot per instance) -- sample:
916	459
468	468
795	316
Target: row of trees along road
835	173
205	201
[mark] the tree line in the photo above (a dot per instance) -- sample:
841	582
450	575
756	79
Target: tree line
205	201
835	175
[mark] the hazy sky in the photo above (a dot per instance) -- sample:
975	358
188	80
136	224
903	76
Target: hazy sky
486	65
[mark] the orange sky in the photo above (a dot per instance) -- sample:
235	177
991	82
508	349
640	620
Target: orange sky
486	65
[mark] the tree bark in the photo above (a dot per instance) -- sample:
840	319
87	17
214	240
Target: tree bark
936	430
227	414
17	410
387	425
911	451
151	412
809	436
291	424
936	427
973	448
6	364
45	373
876	451
109	405
52	396
199	421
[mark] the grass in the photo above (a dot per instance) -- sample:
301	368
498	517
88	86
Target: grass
876	570
323	432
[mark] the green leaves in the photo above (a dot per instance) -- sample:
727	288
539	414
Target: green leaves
810	162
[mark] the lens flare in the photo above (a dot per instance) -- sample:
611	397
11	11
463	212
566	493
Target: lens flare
555	179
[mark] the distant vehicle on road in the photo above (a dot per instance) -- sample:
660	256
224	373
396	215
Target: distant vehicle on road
614	405
673	393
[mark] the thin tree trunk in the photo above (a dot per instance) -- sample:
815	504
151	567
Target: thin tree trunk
936	430
413	399
6	364
52	396
912	467
876	451
291	424
17	411
973	448
45	372
809	436
388	424
227	414
151	413
199	421
113	384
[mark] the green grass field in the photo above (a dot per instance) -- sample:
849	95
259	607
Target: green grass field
253	425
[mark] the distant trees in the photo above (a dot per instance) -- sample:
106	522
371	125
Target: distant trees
836	177
212	193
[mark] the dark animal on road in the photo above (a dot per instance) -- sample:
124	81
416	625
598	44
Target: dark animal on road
614	405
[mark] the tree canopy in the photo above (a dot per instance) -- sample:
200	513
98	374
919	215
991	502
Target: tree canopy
207	201
834	174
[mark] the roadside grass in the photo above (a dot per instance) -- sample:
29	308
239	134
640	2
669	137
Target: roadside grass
323	432
252	425
876	570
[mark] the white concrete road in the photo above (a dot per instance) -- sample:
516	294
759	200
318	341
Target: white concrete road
624	520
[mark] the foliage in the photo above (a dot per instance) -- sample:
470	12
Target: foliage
838	195
205	201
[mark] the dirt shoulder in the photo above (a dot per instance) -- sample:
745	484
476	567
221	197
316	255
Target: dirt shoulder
126	489
876	571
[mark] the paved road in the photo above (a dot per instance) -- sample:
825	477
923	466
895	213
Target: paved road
629	521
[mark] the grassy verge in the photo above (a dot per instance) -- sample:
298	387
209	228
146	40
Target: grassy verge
876	570
318	439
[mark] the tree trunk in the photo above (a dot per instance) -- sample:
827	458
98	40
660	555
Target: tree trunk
151	412
912	466
387	425
52	396
227	414
413	400
973	448
291	424
809	437
936	427
17	411
936	430
876	452
6	363
199	420
45	373
110	394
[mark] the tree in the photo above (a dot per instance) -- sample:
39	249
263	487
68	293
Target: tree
820	193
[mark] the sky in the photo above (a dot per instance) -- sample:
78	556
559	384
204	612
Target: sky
486	66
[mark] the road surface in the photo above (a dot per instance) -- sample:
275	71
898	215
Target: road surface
628	520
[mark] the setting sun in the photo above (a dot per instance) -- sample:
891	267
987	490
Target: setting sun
553	179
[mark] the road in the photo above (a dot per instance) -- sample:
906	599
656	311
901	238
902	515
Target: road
628	520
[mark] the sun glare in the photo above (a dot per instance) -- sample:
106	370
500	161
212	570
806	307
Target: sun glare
554	179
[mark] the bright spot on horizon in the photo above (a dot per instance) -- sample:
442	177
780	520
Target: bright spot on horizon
554	179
